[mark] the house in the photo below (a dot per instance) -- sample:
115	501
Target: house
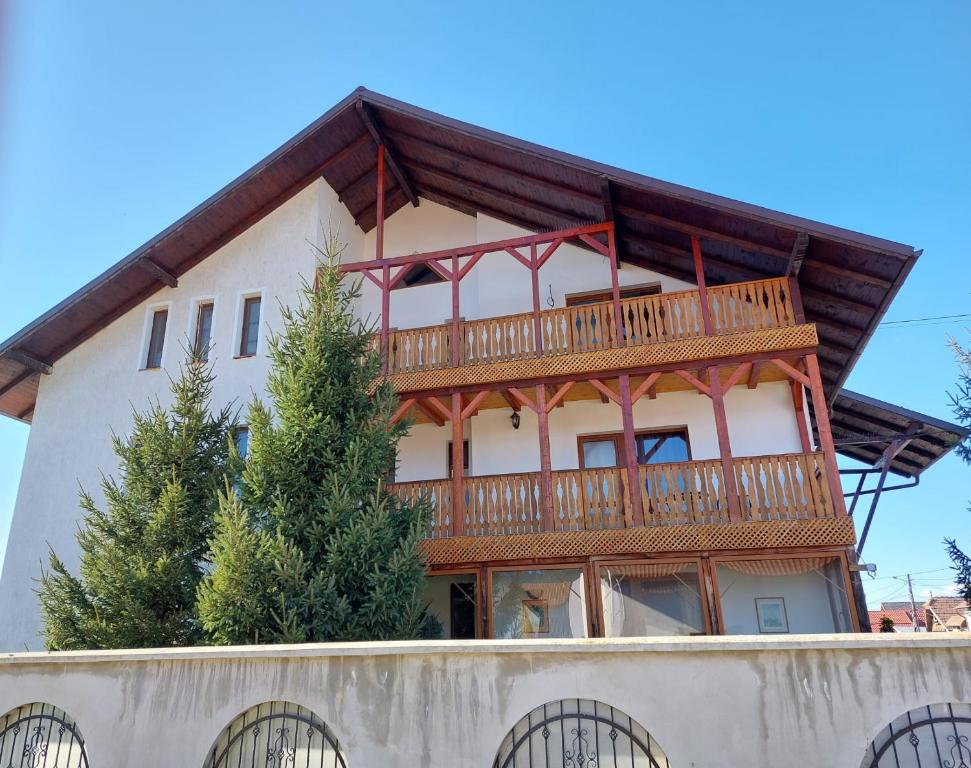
946	614
626	396
901	614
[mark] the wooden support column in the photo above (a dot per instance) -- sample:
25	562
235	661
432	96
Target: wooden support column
379	256
630	452
724	443
800	413
537	317
615	287
456	337
702	287
458	468
821	411
545	465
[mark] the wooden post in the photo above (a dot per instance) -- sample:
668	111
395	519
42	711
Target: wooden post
379	256
458	467
702	287
630	452
545	465
821	411
456	338
797	404
724	444
537	317
615	288
795	297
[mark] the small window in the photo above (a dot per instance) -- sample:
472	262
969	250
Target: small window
156	340
660	446
241	439
203	336
598	297
251	327
465	457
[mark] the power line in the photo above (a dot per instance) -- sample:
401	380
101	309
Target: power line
929	320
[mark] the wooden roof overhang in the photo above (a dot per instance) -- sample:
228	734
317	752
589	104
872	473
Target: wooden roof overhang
863	428
847	279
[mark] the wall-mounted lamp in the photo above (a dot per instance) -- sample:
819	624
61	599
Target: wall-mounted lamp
514	419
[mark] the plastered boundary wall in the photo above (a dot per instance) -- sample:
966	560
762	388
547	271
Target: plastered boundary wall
741	701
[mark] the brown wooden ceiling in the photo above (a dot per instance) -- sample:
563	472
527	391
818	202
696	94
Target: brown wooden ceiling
847	279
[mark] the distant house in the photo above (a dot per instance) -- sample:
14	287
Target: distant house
900	614
946	614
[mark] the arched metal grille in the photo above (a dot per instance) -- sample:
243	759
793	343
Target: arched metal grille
40	736
579	733
276	734
936	736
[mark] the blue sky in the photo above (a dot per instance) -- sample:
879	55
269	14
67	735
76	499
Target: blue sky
118	117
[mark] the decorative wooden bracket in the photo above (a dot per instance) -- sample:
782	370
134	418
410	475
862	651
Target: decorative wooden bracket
372	127
29	361
162	275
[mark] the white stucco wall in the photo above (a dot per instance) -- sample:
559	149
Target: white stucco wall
93	388
748	701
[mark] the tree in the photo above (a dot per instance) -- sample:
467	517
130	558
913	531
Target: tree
886	624
143	555
961	403
314	547
962	568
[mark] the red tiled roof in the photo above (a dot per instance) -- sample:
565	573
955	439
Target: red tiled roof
899	617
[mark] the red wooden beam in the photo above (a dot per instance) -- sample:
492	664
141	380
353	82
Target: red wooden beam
470	250
519	257
557	398
724	445
821	411
437	418
406	405
737	375
605	390
791	372
702	287
434	402
522	399
694	382
545	463
646	386
376	280
604	250
473	407
513	402
544	257
458	468
630	450
753	376
797	404
473	260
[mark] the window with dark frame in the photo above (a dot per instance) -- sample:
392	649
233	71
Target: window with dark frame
465	457
656	446
203	336
156	339
598	297
251	327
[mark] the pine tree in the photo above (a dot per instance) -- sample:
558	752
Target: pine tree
961	403
143	555
329	553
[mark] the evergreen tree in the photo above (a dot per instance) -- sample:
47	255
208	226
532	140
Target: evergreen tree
314	547
143	555
961	403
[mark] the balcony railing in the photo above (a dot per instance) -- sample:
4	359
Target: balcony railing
783	487
735	308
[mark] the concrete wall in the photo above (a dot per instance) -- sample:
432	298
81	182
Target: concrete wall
757	702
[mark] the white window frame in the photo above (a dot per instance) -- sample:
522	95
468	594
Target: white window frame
241	298
150	311
194	305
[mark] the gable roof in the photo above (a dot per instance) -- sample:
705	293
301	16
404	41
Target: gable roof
847	279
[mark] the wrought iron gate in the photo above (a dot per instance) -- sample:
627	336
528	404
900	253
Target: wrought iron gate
40	736
937	736
579	733
276	734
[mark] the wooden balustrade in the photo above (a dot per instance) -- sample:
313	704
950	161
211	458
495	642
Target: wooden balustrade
664	317
784	487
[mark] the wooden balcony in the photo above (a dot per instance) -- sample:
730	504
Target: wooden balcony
790	487
758	305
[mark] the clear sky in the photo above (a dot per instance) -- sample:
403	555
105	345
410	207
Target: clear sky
118	117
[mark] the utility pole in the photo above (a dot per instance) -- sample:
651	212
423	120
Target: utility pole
913	607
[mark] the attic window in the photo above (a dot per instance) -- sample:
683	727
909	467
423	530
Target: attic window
420	274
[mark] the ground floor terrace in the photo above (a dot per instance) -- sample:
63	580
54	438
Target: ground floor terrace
846	701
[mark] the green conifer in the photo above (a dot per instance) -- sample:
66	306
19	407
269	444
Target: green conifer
143	555
313	510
